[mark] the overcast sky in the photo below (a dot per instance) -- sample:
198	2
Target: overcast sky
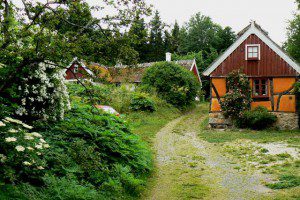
272	15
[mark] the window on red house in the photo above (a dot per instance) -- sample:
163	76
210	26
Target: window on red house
260	88
252	52
75	68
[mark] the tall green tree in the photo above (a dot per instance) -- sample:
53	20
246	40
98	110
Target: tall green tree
156	45
167	41
57	31
202	34
139	37
175	38
293	42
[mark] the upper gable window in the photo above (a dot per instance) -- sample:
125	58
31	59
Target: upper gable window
253	52
75	68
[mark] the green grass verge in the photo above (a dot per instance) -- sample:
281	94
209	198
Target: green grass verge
147	124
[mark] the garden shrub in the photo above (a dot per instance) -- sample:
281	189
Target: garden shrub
142	102
38	92
238	98
172	83
256	119
21	152
98	149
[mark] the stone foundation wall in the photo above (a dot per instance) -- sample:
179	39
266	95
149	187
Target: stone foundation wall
217	120
286	121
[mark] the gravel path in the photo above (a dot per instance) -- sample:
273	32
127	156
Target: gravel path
191	168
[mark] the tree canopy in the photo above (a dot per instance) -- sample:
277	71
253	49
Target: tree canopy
202	34
292	44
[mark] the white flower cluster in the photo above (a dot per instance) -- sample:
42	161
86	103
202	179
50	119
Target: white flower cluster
44	93
24	142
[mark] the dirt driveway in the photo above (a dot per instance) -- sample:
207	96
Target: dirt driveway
191	168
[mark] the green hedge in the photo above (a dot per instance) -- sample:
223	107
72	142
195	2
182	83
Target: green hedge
256	119
172	83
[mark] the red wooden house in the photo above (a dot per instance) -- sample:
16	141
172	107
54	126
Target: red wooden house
78	70
272	74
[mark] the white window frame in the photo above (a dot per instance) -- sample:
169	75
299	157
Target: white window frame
76	67
252	45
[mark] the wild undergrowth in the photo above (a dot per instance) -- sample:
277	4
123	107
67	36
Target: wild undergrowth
95	155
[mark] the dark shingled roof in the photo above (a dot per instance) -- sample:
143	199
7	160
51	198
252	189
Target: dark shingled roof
134	74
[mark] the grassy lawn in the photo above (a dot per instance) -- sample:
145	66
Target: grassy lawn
148	124
247	149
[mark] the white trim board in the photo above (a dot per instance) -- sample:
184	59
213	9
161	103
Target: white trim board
195	65
252	30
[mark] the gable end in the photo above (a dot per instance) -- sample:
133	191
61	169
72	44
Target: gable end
274	61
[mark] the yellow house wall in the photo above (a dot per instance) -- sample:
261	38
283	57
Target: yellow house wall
215	105
266	104
220	84
287	102
283	84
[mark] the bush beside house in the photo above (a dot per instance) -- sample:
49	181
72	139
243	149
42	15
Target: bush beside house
236	105
172	83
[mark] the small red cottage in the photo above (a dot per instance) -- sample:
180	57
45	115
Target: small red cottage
78	70
82	70
272	74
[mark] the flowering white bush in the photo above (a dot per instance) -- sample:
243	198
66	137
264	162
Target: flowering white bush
21	152
43	93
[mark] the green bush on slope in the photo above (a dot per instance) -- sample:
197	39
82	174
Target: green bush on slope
98	149
172	83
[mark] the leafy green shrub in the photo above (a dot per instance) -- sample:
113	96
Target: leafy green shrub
297	93
98	149
173	83
238	97
21	152
39	91
256	119
142	102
